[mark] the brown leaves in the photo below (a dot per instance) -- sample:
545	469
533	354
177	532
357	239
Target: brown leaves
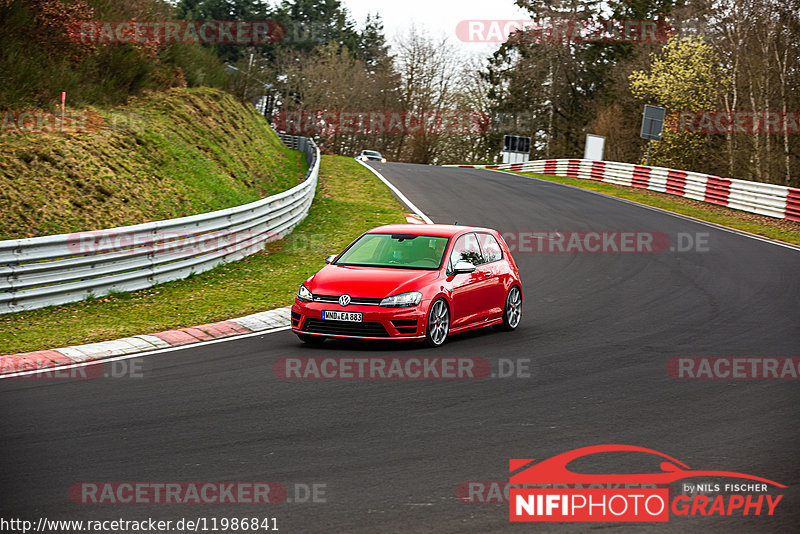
58	26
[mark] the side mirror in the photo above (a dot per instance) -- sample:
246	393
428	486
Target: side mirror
330	258
463	267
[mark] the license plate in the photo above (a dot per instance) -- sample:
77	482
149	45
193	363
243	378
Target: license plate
342	316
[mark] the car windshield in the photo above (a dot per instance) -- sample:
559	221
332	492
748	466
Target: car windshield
400	251
372	153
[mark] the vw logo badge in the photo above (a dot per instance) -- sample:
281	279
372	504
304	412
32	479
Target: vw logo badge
344	300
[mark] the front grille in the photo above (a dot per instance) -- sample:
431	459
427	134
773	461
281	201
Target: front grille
362	301
345	328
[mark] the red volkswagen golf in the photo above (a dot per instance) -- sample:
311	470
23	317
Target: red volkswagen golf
411	282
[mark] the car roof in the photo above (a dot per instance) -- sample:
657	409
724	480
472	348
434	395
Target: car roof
436	230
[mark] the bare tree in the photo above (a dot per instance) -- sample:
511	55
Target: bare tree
428	70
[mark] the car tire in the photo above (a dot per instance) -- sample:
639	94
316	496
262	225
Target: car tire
311	340
438	326
512	311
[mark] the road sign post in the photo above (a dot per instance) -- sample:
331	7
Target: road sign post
594	147
652	125
63	108
516	149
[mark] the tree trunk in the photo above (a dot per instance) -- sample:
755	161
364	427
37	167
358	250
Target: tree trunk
756	154
782	76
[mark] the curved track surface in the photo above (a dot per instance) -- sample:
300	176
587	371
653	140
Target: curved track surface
598	330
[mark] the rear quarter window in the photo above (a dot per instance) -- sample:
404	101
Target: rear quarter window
490	248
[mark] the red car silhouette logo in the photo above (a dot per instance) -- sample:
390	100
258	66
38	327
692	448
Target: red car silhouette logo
554	470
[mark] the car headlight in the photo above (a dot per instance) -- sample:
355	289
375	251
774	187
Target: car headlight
403	300
383	160
304	294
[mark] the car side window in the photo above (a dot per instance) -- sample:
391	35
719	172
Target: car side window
490	248
466	248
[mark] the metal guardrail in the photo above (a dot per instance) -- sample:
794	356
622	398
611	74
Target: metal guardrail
771	200
57	269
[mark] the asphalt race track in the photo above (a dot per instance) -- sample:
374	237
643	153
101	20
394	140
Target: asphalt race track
598	330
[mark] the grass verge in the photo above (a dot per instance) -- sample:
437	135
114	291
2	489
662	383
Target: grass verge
778	229
349	201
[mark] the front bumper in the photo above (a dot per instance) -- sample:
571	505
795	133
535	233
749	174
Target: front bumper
377	322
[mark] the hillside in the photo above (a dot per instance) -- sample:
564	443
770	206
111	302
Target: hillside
163	155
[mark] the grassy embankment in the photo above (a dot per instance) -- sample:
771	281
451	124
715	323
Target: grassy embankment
349	201
161	156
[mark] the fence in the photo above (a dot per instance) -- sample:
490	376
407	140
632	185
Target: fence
57	269
764	199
